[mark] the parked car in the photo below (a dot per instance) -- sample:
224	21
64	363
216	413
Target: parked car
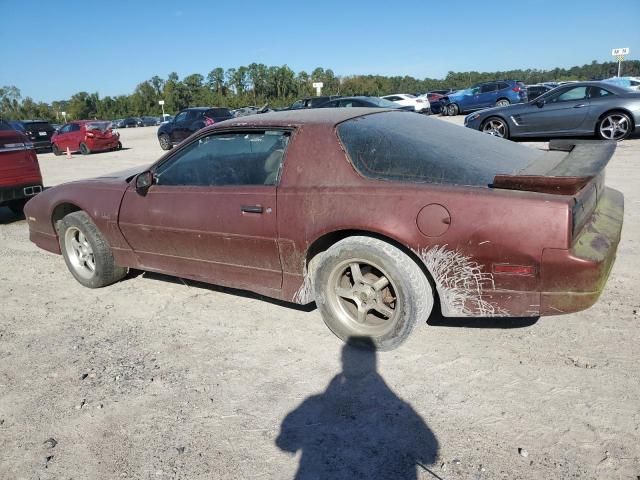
38	132
484	95
632	83
244	111
363	101
534	91
119	123
420	105
273	203
188	121
577	109
149	121
131	122
20	177
86	136
434	99
166	118
312	102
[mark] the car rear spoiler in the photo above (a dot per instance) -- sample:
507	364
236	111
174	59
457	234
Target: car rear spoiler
560	173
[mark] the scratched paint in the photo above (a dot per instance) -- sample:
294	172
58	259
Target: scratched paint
460	282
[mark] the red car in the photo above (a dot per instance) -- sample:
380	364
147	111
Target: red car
377	215
86	136
20	177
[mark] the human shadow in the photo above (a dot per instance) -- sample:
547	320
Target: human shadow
358	427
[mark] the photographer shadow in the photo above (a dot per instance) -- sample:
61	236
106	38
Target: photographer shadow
358	427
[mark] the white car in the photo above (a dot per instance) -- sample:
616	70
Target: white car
419	104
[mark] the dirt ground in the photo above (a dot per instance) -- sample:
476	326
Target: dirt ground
155	378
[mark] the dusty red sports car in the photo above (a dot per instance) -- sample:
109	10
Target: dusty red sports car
374	214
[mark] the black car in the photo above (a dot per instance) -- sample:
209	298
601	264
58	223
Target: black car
188	121
131	122
534	91
312	102
149	121
362	101
38	131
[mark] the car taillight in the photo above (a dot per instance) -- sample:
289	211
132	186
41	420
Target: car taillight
209	121
516	89
89	134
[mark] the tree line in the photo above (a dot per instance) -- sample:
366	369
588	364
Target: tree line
258	84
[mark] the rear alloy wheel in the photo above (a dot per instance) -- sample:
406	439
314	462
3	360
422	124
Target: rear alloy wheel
496	126
84	150
86	252
452	110
56	151
368	289
615	126
165	142
503	102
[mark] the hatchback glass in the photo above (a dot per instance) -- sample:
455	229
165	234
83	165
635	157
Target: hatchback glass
414	148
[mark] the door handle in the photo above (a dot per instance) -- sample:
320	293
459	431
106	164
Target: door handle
251	208
580	105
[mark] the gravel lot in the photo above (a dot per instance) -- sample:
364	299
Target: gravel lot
158	378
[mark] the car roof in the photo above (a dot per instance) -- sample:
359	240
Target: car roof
307	116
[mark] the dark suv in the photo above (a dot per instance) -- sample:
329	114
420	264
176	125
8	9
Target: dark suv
188	121
498	93
39	132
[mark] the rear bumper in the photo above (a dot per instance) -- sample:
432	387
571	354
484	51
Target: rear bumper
19	192
97	145
572	280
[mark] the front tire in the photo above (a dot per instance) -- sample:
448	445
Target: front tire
86	252
614	126
165	142
84	150
368	289
56	151
495	126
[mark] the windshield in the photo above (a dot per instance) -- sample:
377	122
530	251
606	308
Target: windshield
101	126
415	148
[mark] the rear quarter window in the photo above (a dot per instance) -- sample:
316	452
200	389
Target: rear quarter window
412	148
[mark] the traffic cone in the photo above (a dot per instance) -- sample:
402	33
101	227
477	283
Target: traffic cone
69	153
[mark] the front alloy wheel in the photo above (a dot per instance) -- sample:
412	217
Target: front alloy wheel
615	126
495	127
79	253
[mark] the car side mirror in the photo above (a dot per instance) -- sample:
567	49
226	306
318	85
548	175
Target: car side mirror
540	103
144	181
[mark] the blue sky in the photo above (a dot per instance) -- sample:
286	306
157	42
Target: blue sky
51	50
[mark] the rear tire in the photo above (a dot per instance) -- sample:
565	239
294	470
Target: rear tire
503	102
453	110
614	126
86	252
56	151
84	150
370	290
165	142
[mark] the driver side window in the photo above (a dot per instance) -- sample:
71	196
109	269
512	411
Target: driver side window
243	158
576	93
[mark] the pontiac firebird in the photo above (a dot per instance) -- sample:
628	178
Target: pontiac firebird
375	215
